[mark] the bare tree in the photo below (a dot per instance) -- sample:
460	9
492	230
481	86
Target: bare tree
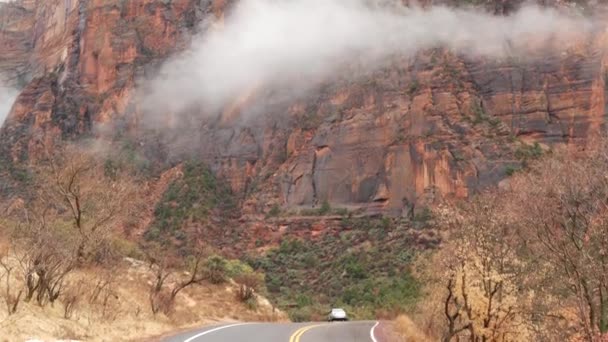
69	221
45	255
182	273
71	298
76	184
194	275
480	301
562	212
11	299
521	260
103	293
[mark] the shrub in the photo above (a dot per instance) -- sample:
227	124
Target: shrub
235	268
424	215
510	170
364	266
495	122
413	87
309	212
406	329
71	299
191	197
291	246
274	211
273	283
251	303
458	156
341	211
355	270
248	285
479	114
525	151
300	315
310	120
216	268
325	209
303	300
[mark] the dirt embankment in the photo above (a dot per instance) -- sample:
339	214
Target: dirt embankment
122	313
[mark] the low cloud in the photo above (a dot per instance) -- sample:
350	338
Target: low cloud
289	44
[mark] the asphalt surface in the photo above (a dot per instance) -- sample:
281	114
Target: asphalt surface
281	332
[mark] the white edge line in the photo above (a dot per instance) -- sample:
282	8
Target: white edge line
371	332
216	329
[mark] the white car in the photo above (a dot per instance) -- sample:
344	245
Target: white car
337	314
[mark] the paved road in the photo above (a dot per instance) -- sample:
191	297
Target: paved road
287	332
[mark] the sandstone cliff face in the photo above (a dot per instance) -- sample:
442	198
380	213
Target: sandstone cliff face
82	58
436	125
439	126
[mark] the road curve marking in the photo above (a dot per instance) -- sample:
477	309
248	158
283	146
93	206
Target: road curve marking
371	332
214	330
298	334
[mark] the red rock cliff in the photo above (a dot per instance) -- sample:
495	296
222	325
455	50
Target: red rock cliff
438	124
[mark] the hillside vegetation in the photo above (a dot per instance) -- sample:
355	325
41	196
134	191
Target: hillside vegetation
363	264
526	262
193	199
67	269
360	262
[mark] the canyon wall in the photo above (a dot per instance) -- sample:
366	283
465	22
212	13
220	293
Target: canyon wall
437	125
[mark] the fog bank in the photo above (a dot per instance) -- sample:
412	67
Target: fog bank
289	44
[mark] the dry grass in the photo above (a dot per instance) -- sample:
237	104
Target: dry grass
406	330
127	315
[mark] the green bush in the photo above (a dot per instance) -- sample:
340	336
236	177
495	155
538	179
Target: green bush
310	120
510	170
355	270
291	246
303	300
217	269
127	248
273	283
274	211
251	303
526	152
390	293
478	113
413	87
300	314
366	266
127	157
325	208
191	198
341	211
110	168
22	175
234	268
423	215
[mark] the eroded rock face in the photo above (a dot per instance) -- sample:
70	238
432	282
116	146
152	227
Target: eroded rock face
438	126
83	57
434	125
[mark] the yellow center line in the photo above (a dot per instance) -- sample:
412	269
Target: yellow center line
298	334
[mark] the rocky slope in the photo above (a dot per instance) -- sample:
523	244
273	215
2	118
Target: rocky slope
436	125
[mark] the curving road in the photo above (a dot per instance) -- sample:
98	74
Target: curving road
362	331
